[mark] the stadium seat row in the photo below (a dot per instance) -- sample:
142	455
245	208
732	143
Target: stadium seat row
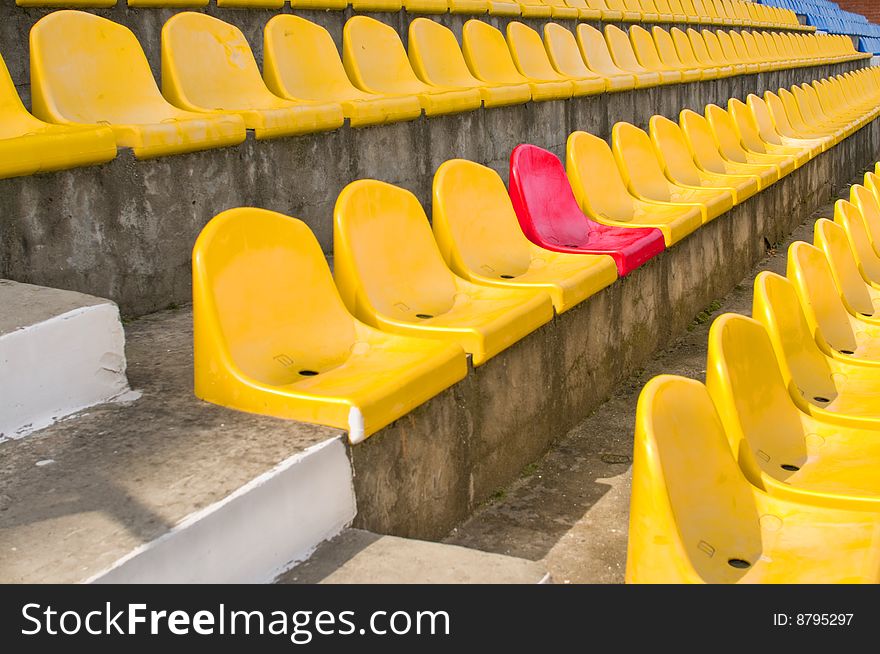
408	304
706	12
93	89
768	473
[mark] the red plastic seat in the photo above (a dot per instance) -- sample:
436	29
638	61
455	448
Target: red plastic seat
550	216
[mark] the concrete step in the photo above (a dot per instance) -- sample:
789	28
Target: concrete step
60	352
168	488
362	557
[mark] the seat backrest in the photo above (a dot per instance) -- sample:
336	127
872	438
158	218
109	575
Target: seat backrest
528	52
645	48
666	47
487	54
300	60
270	331
751	394
728	47
724	130
850	218
684	50
374	57
689	500
746	126
739	46
638	162
474	223
866	202
713	45
763	119
562	48
808	270
752	47
596	179
436	57
594	50
701	51
87	69
621	50
702	141
805	368
208	63
543	199
779	111
384	254
670	142
832	240
14	118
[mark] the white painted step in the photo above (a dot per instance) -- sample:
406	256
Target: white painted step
60	352
255	533
362	557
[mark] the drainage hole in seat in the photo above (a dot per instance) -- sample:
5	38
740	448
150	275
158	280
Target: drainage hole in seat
789	467
506	276
424	316
819	398
739	563
308	373
847	352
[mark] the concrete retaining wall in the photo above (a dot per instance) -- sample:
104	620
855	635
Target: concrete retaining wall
426	472
125	230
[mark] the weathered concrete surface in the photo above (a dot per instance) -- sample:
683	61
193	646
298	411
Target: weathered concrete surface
361	557
125	230
77	496
570	510
426	472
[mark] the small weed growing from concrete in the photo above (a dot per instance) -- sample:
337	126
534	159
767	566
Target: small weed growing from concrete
703	317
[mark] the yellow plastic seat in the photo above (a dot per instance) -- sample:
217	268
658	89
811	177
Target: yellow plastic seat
595	53
797	110
787	128
670	11
704	59
301	62
565	57
376	62
468	6
732	55
728	142
668	54
437	60
848	216
479	236
643	173
252	4
391	275
857	293
388	6
747	129
326	5
780	447
489	59
504	8
585	11
534	9
624	57
812	112
826	313
719	54
716	12
674	46
289	348
707	156
865	202
87	70
770	133
607	14
208	67
679	166
602	194
695	518
139	4
425	6
726	8
625	12
532	61
28	145
751	48
560	9
646	52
